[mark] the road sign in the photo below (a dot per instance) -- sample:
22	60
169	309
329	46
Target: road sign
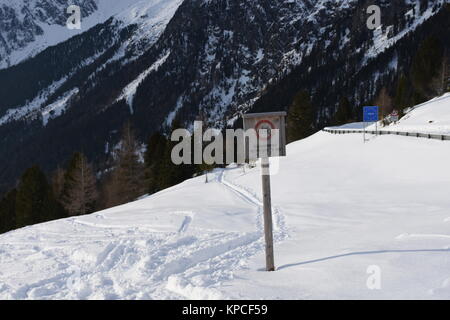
370	114
394	116
270	133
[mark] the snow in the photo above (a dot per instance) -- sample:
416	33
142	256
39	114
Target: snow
29	109
57	108
54	34
174	112
340	207
431	117
130	90
152	17
383	41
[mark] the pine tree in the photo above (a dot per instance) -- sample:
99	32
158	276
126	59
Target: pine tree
402	98
35	202
8	212
444	77
344	112
80	187
426	67
300	117
153	157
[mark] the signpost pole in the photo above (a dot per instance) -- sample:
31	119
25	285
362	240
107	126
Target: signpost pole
268	226
364	130
269	131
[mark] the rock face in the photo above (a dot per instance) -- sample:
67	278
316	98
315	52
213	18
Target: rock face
157	60
21	22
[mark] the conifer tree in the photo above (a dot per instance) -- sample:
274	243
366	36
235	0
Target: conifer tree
445	75
300	117
153	157
80	186
344	112
426	67
35	202
402	98
8	212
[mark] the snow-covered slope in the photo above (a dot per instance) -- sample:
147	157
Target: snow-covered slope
224	58
430	117
340	206
30	26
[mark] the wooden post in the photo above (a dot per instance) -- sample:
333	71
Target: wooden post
268	227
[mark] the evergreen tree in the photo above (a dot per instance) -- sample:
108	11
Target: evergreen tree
35	202
445	75
153	157
8	212
402	98
80	187
170	174
300	117
426	67
344	112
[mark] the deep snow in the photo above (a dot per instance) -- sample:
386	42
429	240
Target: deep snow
340	206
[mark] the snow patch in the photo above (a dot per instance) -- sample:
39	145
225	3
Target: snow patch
130	90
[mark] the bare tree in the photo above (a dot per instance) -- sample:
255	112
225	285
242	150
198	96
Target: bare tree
384	101
58	178
80	187
127	180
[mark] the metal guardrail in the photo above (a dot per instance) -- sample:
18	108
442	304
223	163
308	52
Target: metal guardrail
441	137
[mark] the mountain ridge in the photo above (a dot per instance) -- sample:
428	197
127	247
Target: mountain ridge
222	59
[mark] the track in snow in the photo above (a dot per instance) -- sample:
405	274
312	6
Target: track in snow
100	260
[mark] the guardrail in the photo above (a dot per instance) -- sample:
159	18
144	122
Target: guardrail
441	137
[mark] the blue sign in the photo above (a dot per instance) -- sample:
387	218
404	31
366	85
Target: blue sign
370	114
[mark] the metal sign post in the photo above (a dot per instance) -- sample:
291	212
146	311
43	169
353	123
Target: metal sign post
271	142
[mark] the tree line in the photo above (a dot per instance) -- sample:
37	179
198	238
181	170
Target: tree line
78	189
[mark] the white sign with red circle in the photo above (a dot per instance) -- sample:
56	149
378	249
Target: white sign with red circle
270	134
264	129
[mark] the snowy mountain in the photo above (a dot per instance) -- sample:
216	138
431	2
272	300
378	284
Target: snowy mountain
331	228
153	61
28	27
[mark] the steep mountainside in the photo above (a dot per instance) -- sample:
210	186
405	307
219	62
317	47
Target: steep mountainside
27	27
160	60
